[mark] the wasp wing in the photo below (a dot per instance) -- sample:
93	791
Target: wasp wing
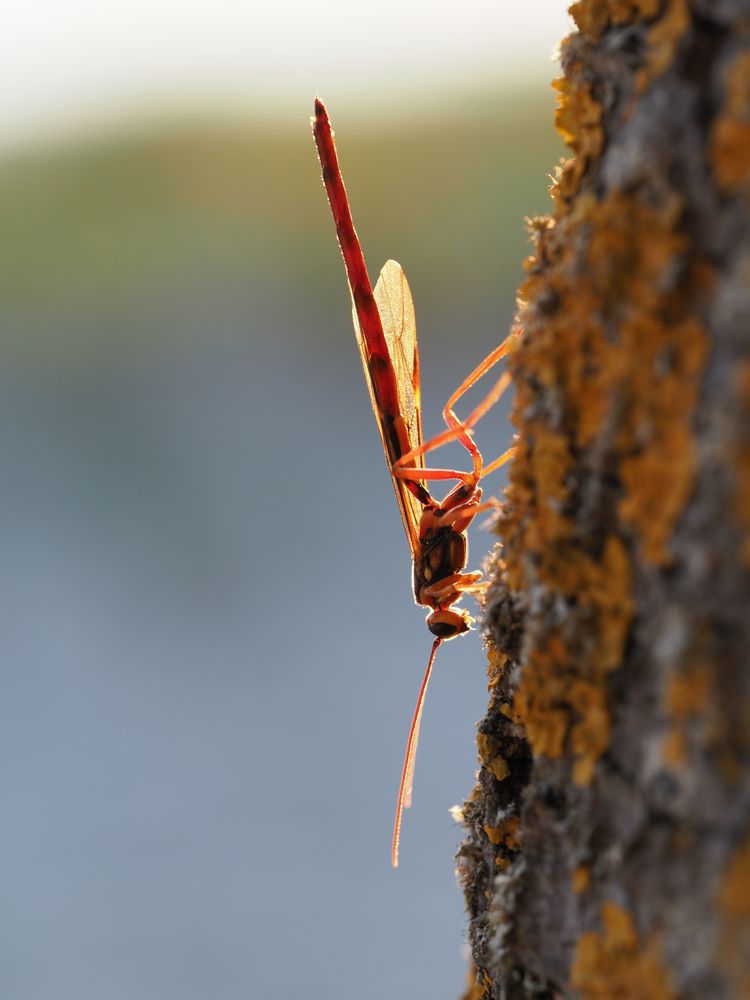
396	310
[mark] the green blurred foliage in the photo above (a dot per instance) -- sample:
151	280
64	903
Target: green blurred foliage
129	225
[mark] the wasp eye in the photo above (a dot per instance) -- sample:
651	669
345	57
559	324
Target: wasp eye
447	624
442	630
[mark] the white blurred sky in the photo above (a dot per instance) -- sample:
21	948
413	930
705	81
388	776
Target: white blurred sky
70	63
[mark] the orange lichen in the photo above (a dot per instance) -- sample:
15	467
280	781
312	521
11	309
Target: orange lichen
734	895
658	477
476	989
600	584
579	121
662	42
729	148
581	879
555	698
653	366
674	748
616	964
631	248
589	736
540	703
701	721
688	692
539	460
489	751
505	834
495	666
579	115
550	460
734	903
509	713
730	152
567	182
593	16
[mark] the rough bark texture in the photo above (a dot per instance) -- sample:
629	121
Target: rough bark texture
608	845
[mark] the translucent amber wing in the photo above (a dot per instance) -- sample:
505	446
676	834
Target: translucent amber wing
396	310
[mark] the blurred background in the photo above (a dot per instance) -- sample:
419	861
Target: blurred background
210	653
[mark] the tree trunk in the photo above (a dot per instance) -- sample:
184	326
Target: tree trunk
608	846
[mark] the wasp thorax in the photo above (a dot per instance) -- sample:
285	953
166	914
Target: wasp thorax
430	522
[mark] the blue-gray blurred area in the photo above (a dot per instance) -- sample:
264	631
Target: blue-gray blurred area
210	652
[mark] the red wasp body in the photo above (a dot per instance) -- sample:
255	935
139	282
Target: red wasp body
436	530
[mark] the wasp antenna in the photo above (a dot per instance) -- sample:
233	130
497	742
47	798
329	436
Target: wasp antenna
407	774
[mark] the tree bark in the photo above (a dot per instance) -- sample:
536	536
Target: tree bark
608	836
